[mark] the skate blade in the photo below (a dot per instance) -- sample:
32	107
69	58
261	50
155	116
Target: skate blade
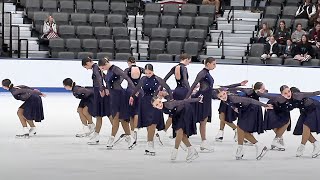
193	158
316	155
239	158
22	137
132	146
263	153
149	153
206	150
93	143
274	148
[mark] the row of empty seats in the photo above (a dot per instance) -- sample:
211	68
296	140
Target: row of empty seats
290	23
81	55
287	2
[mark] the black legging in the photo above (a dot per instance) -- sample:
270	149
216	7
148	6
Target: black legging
257	4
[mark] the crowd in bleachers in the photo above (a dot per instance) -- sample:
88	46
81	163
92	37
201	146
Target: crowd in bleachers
290	32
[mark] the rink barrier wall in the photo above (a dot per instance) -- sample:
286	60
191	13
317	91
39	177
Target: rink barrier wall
47	74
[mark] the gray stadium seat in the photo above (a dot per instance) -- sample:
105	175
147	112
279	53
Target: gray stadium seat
103	32
66	6
123	46
289	11
122	56
84	7
120	33
174	47
277	2
101	55
287	21
116	20
164	57
303	22
189	10
178	34
208	11
61	18
159	34
152	9
66	31
312	62
82	55
90	45
185	22
155	48
66	55
292	2
50	5
73	45
31	7
198	35
275	61
97	20
271	22
38	20
118	8
254	60
106	45
272	12
201	22
170	9
291	62
256	50
79	19
149	22
101	7
56	45
168	21
191	48
84	32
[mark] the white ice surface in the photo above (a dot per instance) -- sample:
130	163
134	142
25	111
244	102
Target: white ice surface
55	153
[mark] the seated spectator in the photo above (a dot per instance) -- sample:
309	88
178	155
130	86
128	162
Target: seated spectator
306	10
282	33
315	18
271	49
314	35
264	33
216	3
49	29
288	51
304	50
255	6
297	34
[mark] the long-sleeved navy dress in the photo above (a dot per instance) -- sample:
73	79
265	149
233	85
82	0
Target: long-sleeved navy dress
86	96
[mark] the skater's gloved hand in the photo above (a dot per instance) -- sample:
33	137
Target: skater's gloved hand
131	101
243	83
107	92
269	106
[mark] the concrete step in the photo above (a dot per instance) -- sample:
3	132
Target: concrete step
247	3
237	28
215	46
239	21
226	60
9	7
214	51
33	45
239	14
235	40
213	35
33	54
230	32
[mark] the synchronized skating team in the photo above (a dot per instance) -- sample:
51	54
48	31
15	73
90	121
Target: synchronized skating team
147	97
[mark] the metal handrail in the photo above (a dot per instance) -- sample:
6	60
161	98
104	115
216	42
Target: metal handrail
231	18
11	27
2	32
19	47
221	44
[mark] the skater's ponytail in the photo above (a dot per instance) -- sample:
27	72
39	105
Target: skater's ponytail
294	90
7	83
68	82
131	60
283	87
208	60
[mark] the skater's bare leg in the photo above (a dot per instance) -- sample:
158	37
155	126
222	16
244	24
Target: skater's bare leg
115	125
250	137
179	137
151	131
168	124
241	135
232	125
280	131
22	119
306	135
82	116
203	126
222	121
98	124
31	123
126	127
87	115
186	141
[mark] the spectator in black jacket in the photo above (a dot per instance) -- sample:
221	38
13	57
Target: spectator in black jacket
271	49
288	51
314	34
304	50
282	33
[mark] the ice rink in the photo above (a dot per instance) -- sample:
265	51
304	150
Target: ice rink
56	154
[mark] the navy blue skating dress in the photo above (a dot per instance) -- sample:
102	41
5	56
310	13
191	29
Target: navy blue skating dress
203	110
86	96
229	113
119	101
183	116
101	105
249	118
310	112
148	115
32	106
134	108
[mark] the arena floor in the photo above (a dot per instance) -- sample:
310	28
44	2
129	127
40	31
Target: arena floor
55	153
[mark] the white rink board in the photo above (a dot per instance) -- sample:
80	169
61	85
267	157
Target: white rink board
48	73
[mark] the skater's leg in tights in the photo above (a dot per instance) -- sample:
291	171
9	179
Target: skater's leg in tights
203	126
110	119
222	121
151	131
87	115
115	125
125	126
280	131
306	135
312	139
82	116
98	124
134	122
179	136
232	125
250	138
186	141
240	136
131	124
31	123
23	120
168	124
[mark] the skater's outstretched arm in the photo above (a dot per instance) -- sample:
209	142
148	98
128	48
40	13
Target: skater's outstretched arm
124	75
185	79
170	73
175	103
246	101
200	76
166	86
275	98
138	87
98	77
302	95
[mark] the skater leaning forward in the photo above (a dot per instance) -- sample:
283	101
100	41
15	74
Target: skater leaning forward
31	110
